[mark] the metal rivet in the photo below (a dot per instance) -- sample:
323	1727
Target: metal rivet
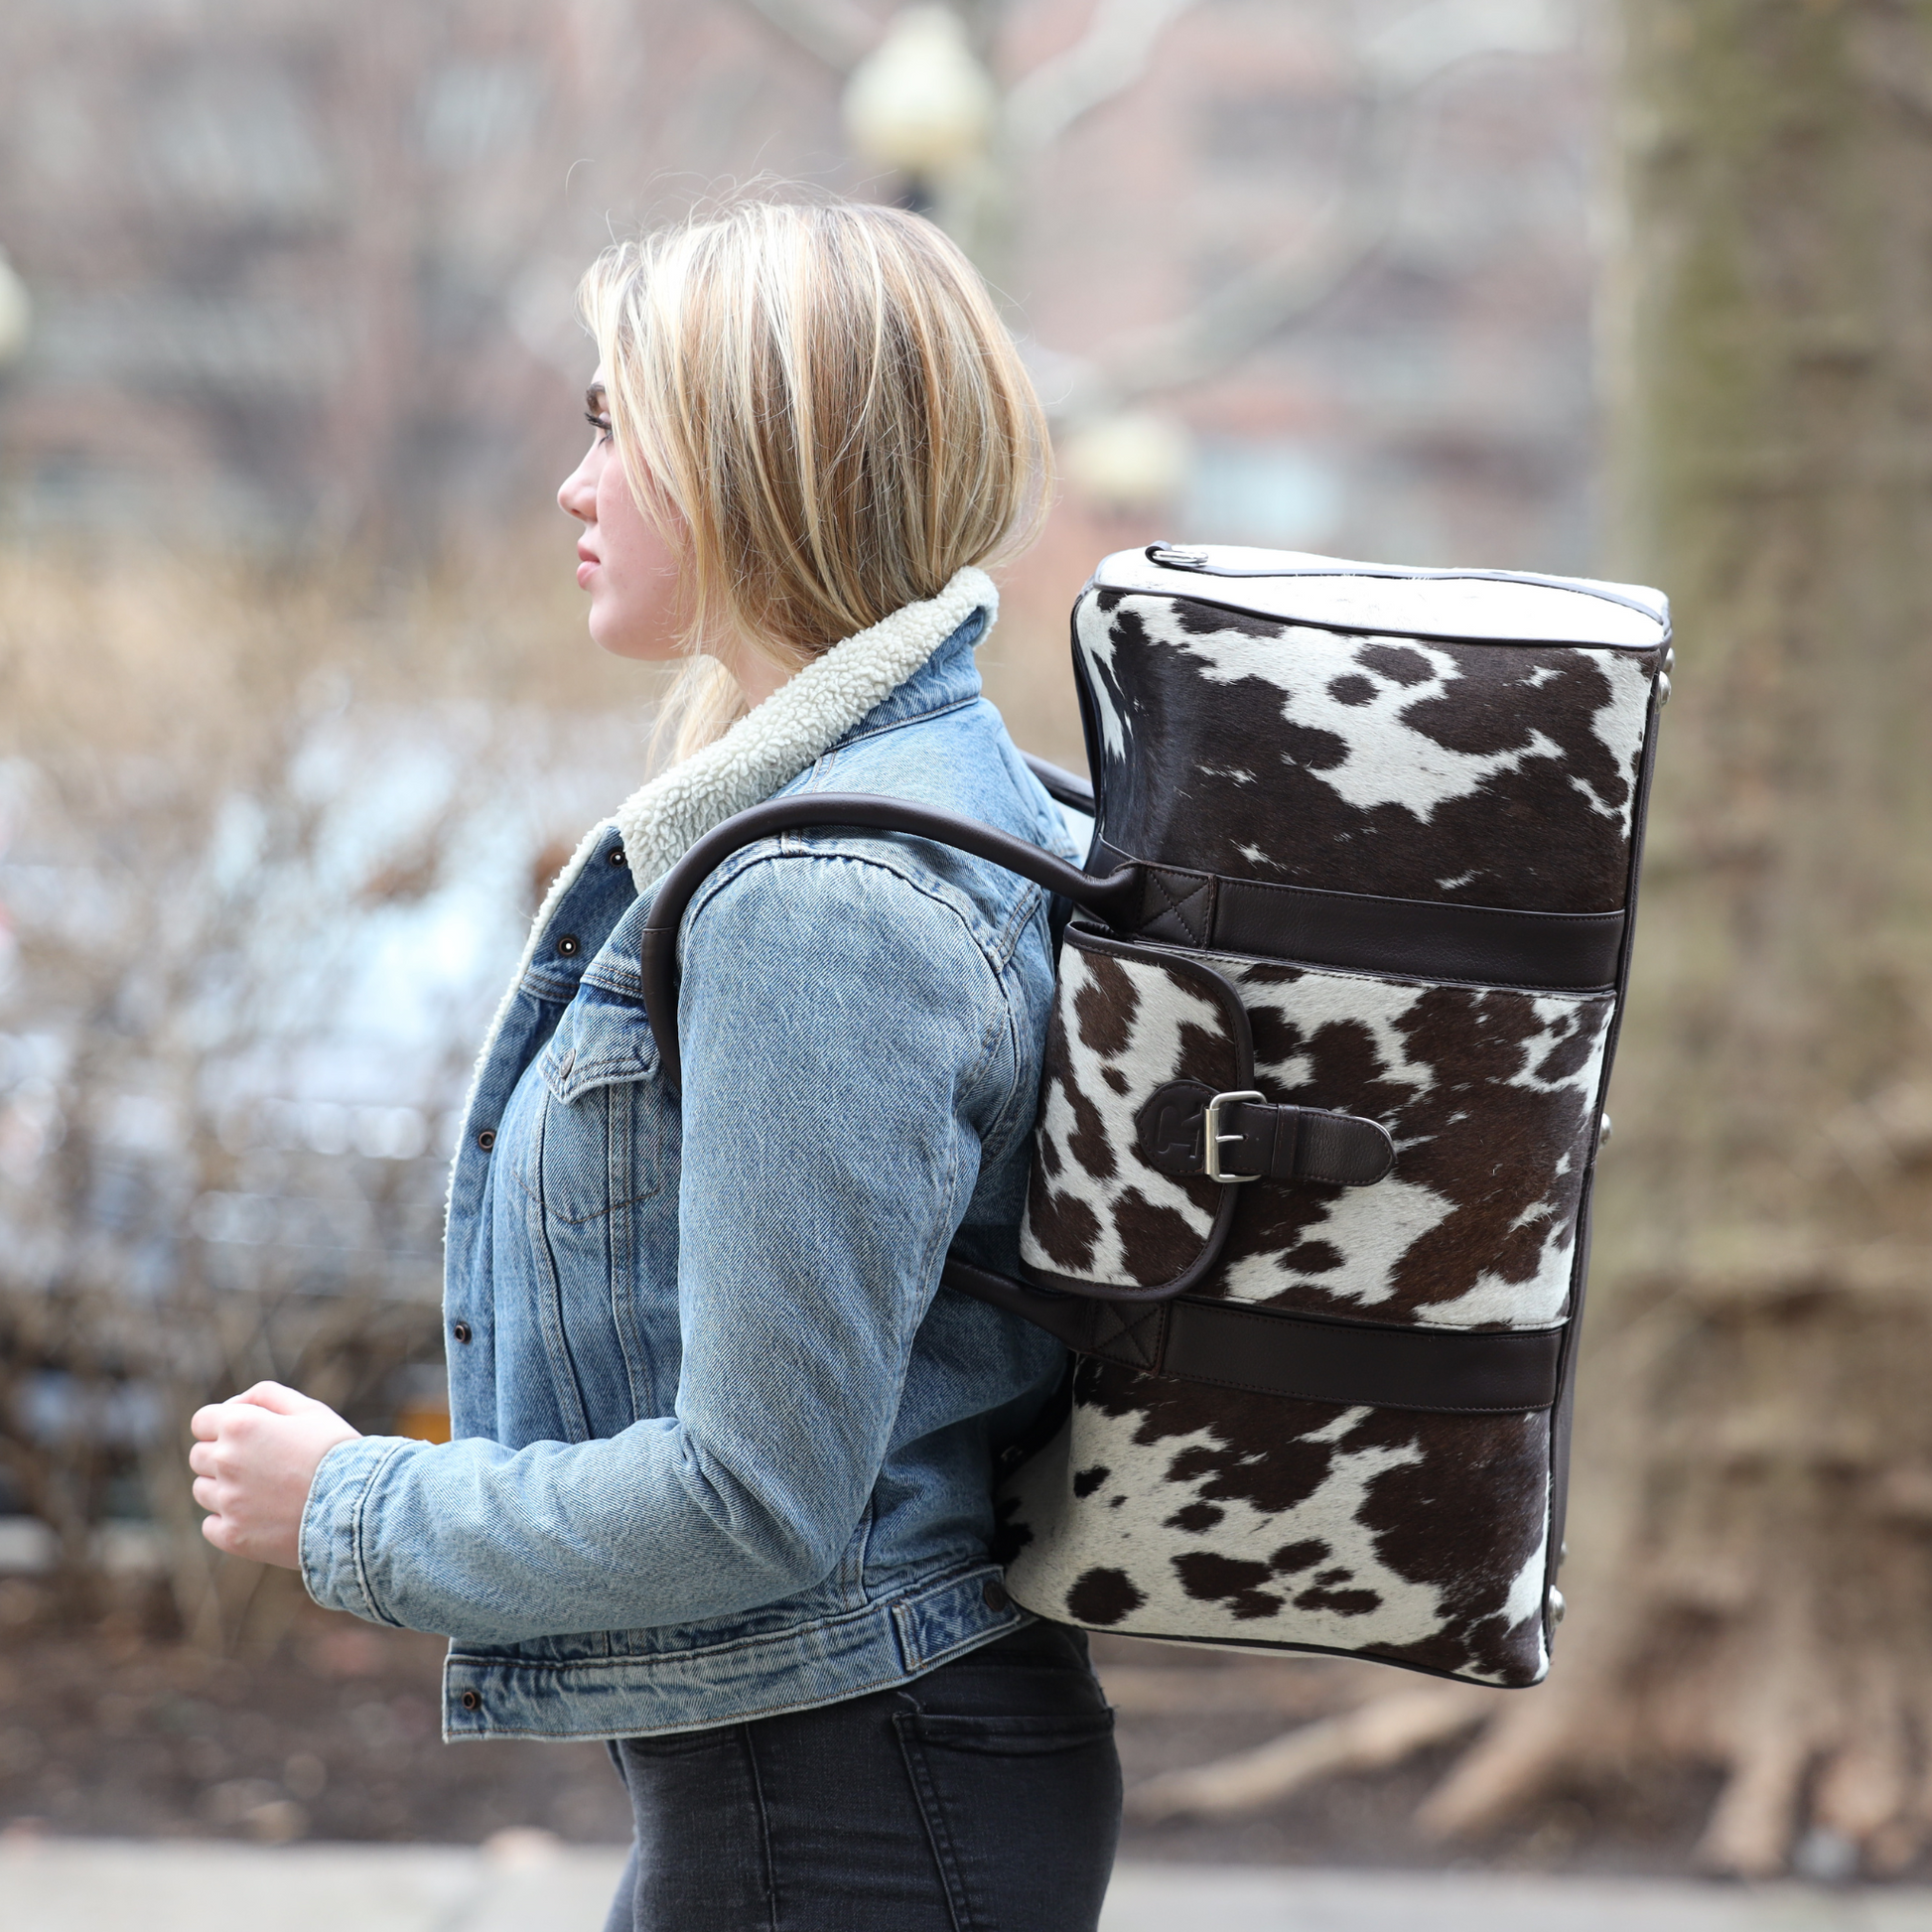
616	857
461	1330
1557	1604
995	1597
1604	1132
570	946
470	1701
487	1139
1670	659
1663	690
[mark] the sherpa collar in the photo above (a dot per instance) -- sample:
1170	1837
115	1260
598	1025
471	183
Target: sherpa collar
806	716
767	748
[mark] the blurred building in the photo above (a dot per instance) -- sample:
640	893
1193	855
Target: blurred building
301	274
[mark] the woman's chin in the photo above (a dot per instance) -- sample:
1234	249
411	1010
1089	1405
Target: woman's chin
643	643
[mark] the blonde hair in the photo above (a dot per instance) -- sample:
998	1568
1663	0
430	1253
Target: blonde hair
819	405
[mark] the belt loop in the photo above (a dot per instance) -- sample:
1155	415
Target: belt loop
1282	1158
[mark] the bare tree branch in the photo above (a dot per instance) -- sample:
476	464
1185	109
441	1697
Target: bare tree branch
833	31
1434	38
1106	60
1296	278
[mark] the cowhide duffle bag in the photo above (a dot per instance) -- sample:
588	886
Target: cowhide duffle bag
1322	1097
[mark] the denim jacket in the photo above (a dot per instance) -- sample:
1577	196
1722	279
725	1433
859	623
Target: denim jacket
723	1447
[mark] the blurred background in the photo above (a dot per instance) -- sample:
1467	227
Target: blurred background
297	717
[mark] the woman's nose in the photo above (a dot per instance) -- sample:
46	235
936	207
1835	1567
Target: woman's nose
577	497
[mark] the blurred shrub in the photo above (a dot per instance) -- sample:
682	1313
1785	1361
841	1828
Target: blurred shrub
264	850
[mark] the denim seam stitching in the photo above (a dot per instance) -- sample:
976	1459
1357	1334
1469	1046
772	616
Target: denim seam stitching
995	943
356	1544
861	1689
738	1646
750	1746
620	1067
857	737
938	1832
572	1408
1011	1119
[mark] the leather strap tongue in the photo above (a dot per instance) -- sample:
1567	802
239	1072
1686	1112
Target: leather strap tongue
1260	1140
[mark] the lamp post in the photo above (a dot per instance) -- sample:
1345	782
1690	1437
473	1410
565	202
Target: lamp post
1128	461
922	104
16	314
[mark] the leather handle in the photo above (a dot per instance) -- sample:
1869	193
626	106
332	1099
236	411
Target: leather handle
1114	899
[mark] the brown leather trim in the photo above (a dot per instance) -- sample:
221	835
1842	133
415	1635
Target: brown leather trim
1306	1357
1273	1352
1361	933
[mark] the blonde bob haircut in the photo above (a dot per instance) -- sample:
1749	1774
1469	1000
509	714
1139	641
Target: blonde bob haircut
820	406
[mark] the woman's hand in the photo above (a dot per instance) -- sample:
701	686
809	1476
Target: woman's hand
254	1460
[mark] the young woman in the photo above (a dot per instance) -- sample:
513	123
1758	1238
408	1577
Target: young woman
719	1488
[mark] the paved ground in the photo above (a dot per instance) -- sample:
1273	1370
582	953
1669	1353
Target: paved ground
524	1884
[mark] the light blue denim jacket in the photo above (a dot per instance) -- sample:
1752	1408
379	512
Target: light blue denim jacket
722	1446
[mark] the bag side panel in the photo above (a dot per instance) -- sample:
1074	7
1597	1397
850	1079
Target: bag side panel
1172	1509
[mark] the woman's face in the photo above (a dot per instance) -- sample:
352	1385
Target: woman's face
629	570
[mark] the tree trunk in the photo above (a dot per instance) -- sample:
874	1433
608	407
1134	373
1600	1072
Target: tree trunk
1754	1542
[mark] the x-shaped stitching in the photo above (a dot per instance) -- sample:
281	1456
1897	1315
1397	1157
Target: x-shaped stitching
1127	1330
1175	905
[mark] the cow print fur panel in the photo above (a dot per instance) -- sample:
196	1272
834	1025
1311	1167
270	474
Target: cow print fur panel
1485	774
1166	1508
1097	1210
1490	1094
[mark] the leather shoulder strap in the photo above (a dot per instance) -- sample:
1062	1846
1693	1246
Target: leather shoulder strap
1108	898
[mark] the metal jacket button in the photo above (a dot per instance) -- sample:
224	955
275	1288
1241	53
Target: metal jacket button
487	1139
470	1701
461	1330
570	946
995	1597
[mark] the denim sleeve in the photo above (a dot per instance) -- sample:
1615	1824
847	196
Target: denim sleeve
842	1033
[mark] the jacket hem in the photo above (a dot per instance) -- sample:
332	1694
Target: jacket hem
824	1661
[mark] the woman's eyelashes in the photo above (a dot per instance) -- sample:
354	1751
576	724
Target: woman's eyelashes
602	424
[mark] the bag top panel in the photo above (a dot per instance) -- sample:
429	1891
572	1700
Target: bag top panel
1486	605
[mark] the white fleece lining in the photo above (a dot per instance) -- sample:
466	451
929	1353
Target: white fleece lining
767	748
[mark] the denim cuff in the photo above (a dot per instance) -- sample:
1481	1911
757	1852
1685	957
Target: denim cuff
330	1541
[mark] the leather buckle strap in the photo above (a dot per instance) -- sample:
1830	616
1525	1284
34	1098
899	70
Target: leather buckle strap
1214	1138
1188	1129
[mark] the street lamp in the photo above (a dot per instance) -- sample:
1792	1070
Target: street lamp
1131	462
16	314
920	103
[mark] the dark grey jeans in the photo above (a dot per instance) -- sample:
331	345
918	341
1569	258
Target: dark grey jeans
982	1797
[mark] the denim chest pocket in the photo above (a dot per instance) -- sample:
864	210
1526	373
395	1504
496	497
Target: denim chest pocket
599	1139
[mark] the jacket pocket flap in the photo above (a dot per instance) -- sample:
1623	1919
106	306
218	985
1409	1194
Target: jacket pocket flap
600	1042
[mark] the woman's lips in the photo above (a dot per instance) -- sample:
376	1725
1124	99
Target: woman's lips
583	571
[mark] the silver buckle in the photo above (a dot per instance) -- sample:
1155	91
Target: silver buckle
1212	1139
